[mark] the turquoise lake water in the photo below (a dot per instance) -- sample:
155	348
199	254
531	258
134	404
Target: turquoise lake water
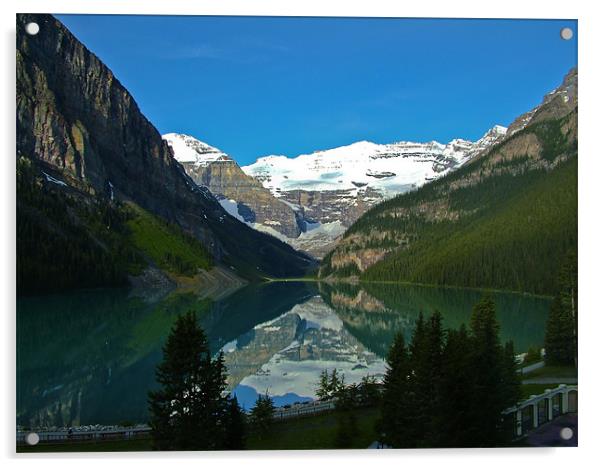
88	357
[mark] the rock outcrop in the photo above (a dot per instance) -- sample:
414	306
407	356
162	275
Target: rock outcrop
84	129
556	104
226	180
327	190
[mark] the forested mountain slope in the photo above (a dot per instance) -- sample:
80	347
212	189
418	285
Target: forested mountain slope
504	220
83	150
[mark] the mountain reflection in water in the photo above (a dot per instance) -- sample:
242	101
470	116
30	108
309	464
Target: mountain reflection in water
285	356
89	357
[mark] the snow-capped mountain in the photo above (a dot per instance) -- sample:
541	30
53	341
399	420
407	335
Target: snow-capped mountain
188	149
493	136
389	169
309	200
242	196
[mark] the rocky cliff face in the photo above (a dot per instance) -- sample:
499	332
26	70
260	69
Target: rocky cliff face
74	115
309	200
211	168
78	122
330	206
337	186
556	104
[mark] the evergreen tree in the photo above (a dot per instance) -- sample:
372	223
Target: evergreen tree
323	392
511	381
418	379
425	377
398	410
451	388
235	426
336	382
559	338
329	384
262	415
433	397
368	391
187	412
490	364
561	329
457	387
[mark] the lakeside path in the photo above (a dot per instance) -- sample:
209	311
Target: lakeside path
532	367
541	374
550	380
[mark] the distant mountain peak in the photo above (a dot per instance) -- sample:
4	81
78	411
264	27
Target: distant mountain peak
189	149
326	189
498	129
493	136
353	167
555	104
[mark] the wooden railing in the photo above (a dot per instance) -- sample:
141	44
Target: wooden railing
523	418
106	433
536	410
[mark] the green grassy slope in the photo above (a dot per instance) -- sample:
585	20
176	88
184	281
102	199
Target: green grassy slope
166	244
67	239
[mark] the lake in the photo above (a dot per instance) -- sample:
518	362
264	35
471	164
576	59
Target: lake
89	357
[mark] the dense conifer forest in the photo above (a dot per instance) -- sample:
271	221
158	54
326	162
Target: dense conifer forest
448	388
508	229
69	240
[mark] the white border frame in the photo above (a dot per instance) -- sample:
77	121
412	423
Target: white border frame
590	38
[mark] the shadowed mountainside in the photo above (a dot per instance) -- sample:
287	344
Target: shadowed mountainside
84	141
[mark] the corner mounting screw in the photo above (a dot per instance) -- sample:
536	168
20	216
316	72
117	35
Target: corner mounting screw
32	28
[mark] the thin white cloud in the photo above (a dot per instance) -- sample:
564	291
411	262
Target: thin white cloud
197	51
242	50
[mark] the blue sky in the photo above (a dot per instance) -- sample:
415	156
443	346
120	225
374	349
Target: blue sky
254	86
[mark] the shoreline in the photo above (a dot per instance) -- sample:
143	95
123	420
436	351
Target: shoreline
408	283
